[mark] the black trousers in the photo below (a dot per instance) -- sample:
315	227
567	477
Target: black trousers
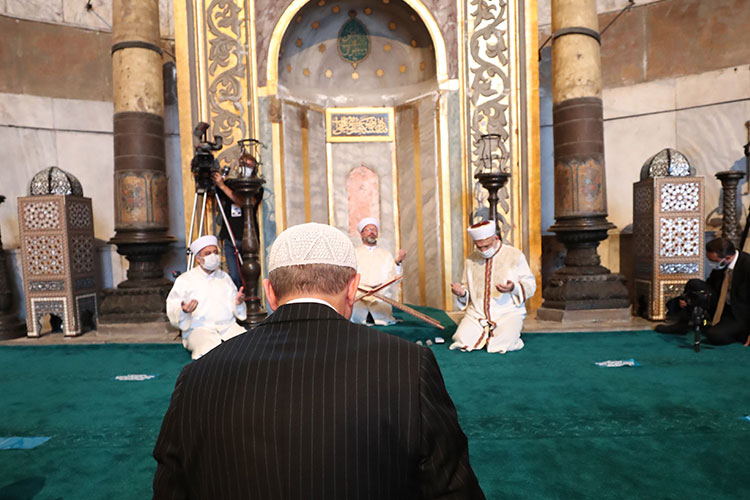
729	329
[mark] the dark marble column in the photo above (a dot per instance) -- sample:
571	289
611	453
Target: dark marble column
140	197
10	326
730	227
582	288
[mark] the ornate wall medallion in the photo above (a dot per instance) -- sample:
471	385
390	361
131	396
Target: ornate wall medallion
353	42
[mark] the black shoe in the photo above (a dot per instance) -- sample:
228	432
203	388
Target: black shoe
672	328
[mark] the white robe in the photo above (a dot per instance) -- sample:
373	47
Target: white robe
376	266
214	319
506	310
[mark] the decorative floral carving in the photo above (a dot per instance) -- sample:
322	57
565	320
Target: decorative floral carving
226	71
489	101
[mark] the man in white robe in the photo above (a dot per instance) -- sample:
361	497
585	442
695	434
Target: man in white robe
376	265
496	283
204	302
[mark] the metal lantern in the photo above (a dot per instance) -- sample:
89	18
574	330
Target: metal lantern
249	162
490	175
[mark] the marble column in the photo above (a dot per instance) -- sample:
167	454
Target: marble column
730	227
582	289
10	326
141	206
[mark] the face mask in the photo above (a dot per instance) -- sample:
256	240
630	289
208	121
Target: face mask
211	262
721	265
490	251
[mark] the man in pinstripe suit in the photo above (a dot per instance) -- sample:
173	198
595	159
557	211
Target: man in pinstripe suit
309	405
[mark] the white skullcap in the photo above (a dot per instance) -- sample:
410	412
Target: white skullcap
366	222
312	243
203	242
481	231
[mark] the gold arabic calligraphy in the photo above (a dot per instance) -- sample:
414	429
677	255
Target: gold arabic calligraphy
353	125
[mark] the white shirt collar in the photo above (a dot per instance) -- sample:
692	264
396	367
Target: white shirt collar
307	300
734	259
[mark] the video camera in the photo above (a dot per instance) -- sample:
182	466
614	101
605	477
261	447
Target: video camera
698	298
203	164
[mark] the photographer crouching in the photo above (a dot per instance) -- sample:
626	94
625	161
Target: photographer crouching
723	299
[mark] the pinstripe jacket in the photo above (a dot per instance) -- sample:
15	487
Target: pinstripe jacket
310	406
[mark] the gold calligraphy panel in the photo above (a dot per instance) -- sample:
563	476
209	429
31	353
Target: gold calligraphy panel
359	124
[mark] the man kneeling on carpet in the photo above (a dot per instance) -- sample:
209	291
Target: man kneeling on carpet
204	303
727	292
496	283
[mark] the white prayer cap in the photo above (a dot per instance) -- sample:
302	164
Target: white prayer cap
312	243
481	230
203	242
366	222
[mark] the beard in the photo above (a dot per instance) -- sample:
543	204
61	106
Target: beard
371	240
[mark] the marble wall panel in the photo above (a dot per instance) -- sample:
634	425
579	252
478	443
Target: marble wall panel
456	171
75	13
21	110
90	158
30	150
711	138
293	177
713	87
645	98
628	143
50	11
267	212
98	18
406	205
377	156
431	222
318	170
84	116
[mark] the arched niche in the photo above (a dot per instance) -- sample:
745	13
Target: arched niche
356	53
365	57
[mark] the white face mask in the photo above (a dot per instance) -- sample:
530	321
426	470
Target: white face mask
721	265
490	251
211	262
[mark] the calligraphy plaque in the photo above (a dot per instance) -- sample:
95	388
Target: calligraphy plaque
353	42
359	124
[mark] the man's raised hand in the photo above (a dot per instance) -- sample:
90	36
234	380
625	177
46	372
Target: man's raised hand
240	298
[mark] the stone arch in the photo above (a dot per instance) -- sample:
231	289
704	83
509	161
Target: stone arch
272	73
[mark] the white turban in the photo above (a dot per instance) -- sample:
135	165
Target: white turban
312	243
482	230
366	222
203	242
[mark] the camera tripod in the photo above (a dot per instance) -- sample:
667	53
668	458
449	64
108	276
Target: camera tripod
203	193
698	321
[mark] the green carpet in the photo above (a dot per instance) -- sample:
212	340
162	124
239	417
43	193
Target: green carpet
545	422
